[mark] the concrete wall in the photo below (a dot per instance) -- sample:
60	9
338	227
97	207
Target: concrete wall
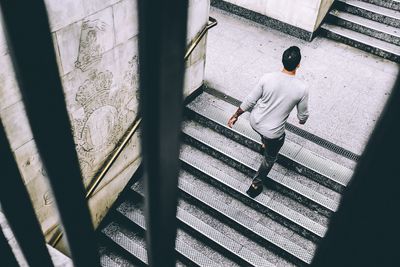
197	20
304	14
96	46
323	10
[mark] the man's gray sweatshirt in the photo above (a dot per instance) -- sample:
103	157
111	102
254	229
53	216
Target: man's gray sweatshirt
272	100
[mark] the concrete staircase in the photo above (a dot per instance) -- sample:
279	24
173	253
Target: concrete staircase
370	25
219	225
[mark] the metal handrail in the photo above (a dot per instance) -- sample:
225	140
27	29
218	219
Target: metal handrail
211	23
97	180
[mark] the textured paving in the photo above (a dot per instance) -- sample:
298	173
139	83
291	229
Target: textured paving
348	87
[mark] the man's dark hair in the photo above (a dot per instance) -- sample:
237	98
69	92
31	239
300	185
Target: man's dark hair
291	58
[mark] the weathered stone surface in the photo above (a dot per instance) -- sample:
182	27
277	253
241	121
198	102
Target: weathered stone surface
30	165
93	6
16	125
64	12
196	73
125	20
9	93
3	44
197	17
68	45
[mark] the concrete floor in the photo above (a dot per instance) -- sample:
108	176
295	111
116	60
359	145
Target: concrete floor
348	87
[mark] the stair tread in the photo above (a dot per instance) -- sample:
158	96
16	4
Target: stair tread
106	261
279	178
377	26
244	220
373	8
263	199
132	246
216	110
136	216
108	258
208	231
245	155
362	38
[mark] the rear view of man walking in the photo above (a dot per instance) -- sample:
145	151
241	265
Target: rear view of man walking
272	100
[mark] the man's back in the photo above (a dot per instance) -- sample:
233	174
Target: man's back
273	99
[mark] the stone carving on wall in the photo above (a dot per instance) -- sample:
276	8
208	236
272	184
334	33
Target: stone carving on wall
128	96
90	50
48	198
99	126
106	116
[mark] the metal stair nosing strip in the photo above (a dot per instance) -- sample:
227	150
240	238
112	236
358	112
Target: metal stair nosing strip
371	11
137	251
239	220
181	247
288	217
365	26
328	205
391	4
336	33
228	245
370	7
322	170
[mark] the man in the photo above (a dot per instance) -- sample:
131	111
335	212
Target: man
274	97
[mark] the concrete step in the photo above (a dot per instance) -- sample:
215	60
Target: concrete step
131	244
366	26
206	232
362	41
106	261
299	135
296	216
370	11
391	4
247	161
218	224
109	258
214	113
234	213
128	234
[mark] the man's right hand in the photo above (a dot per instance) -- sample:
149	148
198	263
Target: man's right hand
232	121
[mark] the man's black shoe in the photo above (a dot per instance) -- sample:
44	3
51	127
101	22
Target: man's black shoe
254	190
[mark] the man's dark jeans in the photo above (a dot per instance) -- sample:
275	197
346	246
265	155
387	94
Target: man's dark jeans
272	147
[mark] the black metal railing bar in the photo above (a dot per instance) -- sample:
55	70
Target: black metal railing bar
7	256
18	209
29	40
162	36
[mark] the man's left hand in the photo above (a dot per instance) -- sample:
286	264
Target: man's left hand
232	121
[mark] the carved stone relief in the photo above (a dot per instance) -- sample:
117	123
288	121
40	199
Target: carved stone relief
106	115
90	50
128	96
